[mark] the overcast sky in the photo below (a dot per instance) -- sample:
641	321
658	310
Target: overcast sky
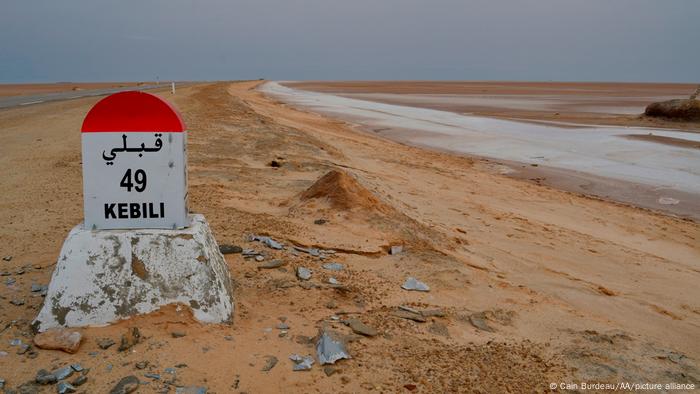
579	40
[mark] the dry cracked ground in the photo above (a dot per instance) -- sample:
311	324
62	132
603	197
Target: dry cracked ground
528	285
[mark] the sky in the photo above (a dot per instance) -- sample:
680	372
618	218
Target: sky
539	40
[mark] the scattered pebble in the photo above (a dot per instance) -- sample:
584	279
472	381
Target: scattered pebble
478	320
304	273
333	281
153	376
320	221
63	373
17	302
178	334
404	314
77	367
230	249
131	338
358	327
105	343
330	370
301	363
330	348
7	258
59	339
45	377
65	387
270	363
283	326
79	381
272	264
141	365
395	249
415	285
333	266
259	258
267	241
127	385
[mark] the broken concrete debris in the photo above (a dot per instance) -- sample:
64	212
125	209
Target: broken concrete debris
267	241
330	347
413	284
301	363
304	273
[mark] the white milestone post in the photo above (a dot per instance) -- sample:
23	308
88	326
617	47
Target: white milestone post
138	248
172	87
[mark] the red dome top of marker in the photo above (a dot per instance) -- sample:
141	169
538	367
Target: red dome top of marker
133	111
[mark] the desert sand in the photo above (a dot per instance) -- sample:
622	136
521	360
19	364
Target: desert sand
534	285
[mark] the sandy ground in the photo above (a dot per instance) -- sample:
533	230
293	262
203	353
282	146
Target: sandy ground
537	285
7	90
576	102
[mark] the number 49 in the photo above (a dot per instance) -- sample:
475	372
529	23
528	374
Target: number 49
139	181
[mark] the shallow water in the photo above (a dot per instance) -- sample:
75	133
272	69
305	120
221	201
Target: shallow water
600	150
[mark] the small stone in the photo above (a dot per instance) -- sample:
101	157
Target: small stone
331	304
438	328
181	365
283	326
23	348
259	258
15	342
304	273
230	249
10	281
2	383
178	334
77	367
333	266
330	347
228	338
267	241
45	377
272	264
282	333
303	339
415	285
320	221
270	363
333	281
191	390
301	363
395	249
433	313
65	387
344	379
79	381
358	327
141	365
153	376
478	320
105	343
7	258
63	373
127	385
36	288
59	339
329	370
131	338
171	371
17	302
409	315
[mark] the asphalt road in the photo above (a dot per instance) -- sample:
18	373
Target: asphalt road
16	101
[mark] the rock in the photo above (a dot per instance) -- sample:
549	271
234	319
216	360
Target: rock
77	367
63	373
2	383
478	320
141	365
678	109
433	313
395	249
178	334
438	328
320	221
415	285
65	387
59	339
153	376
131	338
333	281
303	339
270	363
191	390
333	266
272	264
312	251
45	377
79	381
23	348
105	343
37	288
267	241
331	304
259	258
330	370
7	258
127	385
409	315
275	164
17	302
301	363
230	249
330	347
283	326
359	327
304	273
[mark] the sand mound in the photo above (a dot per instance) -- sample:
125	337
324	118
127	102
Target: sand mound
342	192
679	109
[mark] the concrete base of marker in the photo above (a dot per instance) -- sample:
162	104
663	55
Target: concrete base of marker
103	276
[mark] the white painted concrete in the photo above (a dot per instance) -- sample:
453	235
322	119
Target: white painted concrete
103	276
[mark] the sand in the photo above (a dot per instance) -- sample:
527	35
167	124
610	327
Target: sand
565	288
